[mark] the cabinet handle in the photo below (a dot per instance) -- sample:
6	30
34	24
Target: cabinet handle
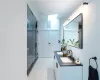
54	56
57	65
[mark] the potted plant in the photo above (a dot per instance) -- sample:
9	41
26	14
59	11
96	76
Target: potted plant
63	45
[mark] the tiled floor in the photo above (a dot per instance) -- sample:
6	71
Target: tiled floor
42	70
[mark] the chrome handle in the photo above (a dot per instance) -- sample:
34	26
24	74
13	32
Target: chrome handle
54	56
56	65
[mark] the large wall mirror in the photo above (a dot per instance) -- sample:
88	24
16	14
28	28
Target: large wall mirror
73	32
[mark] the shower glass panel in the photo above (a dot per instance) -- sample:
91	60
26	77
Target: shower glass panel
31	38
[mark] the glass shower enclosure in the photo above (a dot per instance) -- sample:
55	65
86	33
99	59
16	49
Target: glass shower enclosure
31	39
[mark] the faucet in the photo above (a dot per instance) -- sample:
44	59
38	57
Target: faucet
69	52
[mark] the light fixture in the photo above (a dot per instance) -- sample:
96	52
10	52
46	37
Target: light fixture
85	3
81	9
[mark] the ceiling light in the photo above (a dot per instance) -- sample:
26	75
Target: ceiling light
85	3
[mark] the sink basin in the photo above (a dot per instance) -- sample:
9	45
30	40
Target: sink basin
59	53
65	60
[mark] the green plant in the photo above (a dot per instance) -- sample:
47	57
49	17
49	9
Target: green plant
63	44
77	43
72	41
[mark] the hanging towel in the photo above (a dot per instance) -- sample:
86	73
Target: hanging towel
93	73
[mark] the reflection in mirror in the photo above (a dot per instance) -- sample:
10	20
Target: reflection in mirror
73	32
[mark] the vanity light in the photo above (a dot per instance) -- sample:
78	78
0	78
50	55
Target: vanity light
85	3
85	7
81	9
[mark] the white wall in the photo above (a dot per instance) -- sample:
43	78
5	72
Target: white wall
43	24
91	36
13	40
48	33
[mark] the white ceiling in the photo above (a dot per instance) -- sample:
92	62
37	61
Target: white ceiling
64	8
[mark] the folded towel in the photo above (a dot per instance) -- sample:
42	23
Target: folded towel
93	73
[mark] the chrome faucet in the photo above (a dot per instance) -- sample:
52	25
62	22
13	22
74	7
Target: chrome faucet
69	52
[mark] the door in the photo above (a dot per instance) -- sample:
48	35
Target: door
30	47
42	43
53	44
31	37
48	42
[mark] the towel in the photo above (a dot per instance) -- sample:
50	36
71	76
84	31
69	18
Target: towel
93	73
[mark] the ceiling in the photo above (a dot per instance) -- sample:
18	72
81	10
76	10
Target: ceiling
64	8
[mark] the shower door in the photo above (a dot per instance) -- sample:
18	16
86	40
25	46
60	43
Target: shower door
31	38
31	47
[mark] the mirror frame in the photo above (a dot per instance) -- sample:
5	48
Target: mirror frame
81	41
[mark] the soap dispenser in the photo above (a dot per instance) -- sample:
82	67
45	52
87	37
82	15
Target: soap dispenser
77	61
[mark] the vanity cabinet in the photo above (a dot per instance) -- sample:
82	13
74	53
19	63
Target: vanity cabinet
56	68
67	72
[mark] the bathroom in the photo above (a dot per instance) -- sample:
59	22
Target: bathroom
51	16
52	34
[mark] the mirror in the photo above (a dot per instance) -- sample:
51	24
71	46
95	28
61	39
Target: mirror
73	32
